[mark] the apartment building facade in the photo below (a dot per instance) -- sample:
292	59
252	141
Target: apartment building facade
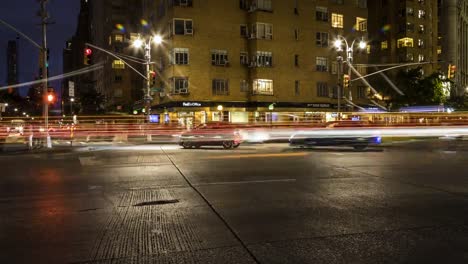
261	60
404	31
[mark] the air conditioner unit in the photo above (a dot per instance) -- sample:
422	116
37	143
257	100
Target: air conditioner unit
183	91
189	31
252	36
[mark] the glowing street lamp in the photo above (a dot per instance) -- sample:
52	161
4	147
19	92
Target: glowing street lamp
339	43
146	44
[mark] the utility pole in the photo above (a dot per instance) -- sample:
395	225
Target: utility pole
45	109
339	60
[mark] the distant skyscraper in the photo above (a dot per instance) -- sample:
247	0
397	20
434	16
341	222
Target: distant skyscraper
12	63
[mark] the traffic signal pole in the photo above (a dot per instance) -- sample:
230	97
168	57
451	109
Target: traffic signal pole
45	109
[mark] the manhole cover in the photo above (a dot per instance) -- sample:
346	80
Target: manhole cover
160	202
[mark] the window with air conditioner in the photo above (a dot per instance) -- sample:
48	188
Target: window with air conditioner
180	56
262	87
264	59
321	39
182	27
220	87
219	57
321	64
180	85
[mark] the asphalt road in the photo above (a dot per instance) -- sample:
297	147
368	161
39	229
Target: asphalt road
406	203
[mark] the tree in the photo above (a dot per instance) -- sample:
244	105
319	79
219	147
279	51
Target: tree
417	89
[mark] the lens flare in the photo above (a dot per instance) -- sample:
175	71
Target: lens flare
120	27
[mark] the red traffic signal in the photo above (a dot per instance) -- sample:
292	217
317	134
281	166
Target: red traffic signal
50	98
88	56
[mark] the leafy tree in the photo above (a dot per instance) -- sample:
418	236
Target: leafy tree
417	89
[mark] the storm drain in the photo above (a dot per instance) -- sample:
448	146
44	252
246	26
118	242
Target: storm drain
159	202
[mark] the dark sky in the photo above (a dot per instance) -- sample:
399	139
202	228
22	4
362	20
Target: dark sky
23	15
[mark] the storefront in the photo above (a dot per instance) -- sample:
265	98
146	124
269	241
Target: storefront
189	113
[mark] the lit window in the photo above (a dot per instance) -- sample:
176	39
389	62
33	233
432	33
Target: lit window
421	29
384	45
421	14
262	87
421	58
405	43
118	64
361	24
337	20
420	43
118	38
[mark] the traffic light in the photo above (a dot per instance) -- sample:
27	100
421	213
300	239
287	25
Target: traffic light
345	81
153	78
51	97
88	53
451	71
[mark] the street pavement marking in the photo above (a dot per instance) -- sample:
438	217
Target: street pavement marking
271	155
245	182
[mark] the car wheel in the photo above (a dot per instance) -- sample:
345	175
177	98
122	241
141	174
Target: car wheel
186	145
236	145
197	146
360	147
227	144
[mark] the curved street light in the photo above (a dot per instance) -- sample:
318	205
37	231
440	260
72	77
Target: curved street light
146	44
339	43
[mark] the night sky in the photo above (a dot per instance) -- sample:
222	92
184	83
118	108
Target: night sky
22	14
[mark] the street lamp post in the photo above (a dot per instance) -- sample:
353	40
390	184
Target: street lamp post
146	44
349	61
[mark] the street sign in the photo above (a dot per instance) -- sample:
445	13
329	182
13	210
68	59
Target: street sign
71	89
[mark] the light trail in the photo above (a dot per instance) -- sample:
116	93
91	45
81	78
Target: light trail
57	77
